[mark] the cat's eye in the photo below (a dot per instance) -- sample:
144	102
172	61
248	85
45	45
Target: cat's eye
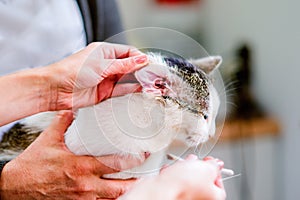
205	117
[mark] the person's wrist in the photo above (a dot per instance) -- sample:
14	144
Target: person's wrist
53	74
45	89
38	82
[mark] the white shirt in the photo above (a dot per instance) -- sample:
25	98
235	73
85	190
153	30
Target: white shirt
38	32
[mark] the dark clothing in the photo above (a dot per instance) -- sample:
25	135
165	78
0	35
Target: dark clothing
101	19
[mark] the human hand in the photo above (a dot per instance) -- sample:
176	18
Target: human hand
199	180
48	170
190	179
91	75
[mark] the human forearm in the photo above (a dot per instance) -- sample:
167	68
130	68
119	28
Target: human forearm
71	83
24	93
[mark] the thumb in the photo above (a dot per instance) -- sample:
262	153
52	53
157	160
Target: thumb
126	65
59	126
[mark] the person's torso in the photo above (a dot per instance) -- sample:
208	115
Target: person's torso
36	33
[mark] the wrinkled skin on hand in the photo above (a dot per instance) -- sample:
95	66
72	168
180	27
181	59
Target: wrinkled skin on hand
92	75
48	170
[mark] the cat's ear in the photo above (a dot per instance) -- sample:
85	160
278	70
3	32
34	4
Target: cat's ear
207	64
153	79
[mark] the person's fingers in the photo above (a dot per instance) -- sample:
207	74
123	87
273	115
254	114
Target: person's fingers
123	89
59	125
124	66
219	193
112	51
108	88
219	182
131	51
214	170
207	158
112	189
105	88
213	160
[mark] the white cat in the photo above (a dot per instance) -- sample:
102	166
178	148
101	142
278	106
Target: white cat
178	102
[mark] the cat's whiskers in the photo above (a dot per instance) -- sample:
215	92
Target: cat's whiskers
229	88
230	83
232	104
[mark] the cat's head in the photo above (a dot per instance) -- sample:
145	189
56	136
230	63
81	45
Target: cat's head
185	89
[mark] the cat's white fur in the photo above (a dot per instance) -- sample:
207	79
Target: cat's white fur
136	123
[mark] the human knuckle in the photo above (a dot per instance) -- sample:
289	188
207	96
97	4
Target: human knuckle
76	169
127	64
120	65
84	187
120	192
85	167
115	192
95	44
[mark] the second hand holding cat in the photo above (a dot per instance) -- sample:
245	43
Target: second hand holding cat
224	171
190	179
47	169
56	173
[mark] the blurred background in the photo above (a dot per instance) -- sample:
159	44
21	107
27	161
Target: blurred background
259	42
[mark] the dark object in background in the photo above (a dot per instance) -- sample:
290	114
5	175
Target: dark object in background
99	22
247	107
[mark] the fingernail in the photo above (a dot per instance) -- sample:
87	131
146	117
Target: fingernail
208	158
140	59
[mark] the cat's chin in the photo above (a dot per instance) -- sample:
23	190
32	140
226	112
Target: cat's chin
150	167
195	141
